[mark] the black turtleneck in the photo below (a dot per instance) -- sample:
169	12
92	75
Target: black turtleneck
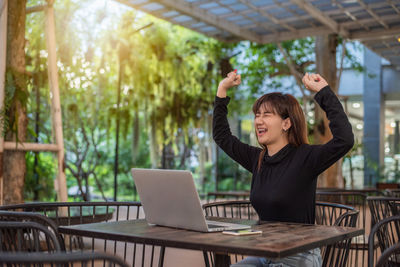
284	188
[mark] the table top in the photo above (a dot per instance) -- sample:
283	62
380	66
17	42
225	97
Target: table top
278	240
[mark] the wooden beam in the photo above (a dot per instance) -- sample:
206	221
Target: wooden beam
3	53
37	8
268	26
357	8
373	14
376	35
306	19
351	16
392	49
266	15
351	24
321	17
187	24
159	14
284	36
333	12
390	2
202	15
61	185
385	49
30	147
240	13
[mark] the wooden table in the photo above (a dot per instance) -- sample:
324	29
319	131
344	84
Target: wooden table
278	239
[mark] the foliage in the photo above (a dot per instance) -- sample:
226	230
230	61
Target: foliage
41	167
231	173
168	78
265	64
40	177
159	87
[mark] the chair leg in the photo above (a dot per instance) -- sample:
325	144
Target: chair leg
206	261
222	260
161	259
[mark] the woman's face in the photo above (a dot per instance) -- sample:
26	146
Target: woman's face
269	126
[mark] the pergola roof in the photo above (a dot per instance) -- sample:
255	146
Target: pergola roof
376	23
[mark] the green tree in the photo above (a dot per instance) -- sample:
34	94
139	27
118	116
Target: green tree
13	162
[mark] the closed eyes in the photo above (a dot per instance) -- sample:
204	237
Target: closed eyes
265	114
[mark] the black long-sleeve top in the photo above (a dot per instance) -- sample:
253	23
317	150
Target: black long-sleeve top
284	188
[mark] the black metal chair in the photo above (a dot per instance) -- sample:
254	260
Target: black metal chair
33	217
227	195
359	246
390	257
383	207
366	191
238	209
336	215
70	213
387	233
325	213
26	237
392	192
61	259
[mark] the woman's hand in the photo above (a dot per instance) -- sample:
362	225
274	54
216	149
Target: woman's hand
232	79
314	82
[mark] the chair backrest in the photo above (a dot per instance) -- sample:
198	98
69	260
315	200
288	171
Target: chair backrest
23	216
335	215
239	209
27	236
228	195
60	259
387	233
367	191
325	214
355	200
390	257
70	213
393	192
383	207
358	201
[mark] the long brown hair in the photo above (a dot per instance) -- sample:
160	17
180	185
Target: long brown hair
286	106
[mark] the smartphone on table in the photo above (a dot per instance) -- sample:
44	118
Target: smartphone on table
242	232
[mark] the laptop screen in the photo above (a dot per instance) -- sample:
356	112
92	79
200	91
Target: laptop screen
169	198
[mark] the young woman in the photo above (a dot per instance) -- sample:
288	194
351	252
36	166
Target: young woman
286	167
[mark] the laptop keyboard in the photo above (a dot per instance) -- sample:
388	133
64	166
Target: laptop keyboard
215	226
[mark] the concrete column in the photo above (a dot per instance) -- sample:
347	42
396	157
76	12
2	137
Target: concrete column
374	118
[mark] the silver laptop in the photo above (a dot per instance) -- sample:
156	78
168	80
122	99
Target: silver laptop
170	198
